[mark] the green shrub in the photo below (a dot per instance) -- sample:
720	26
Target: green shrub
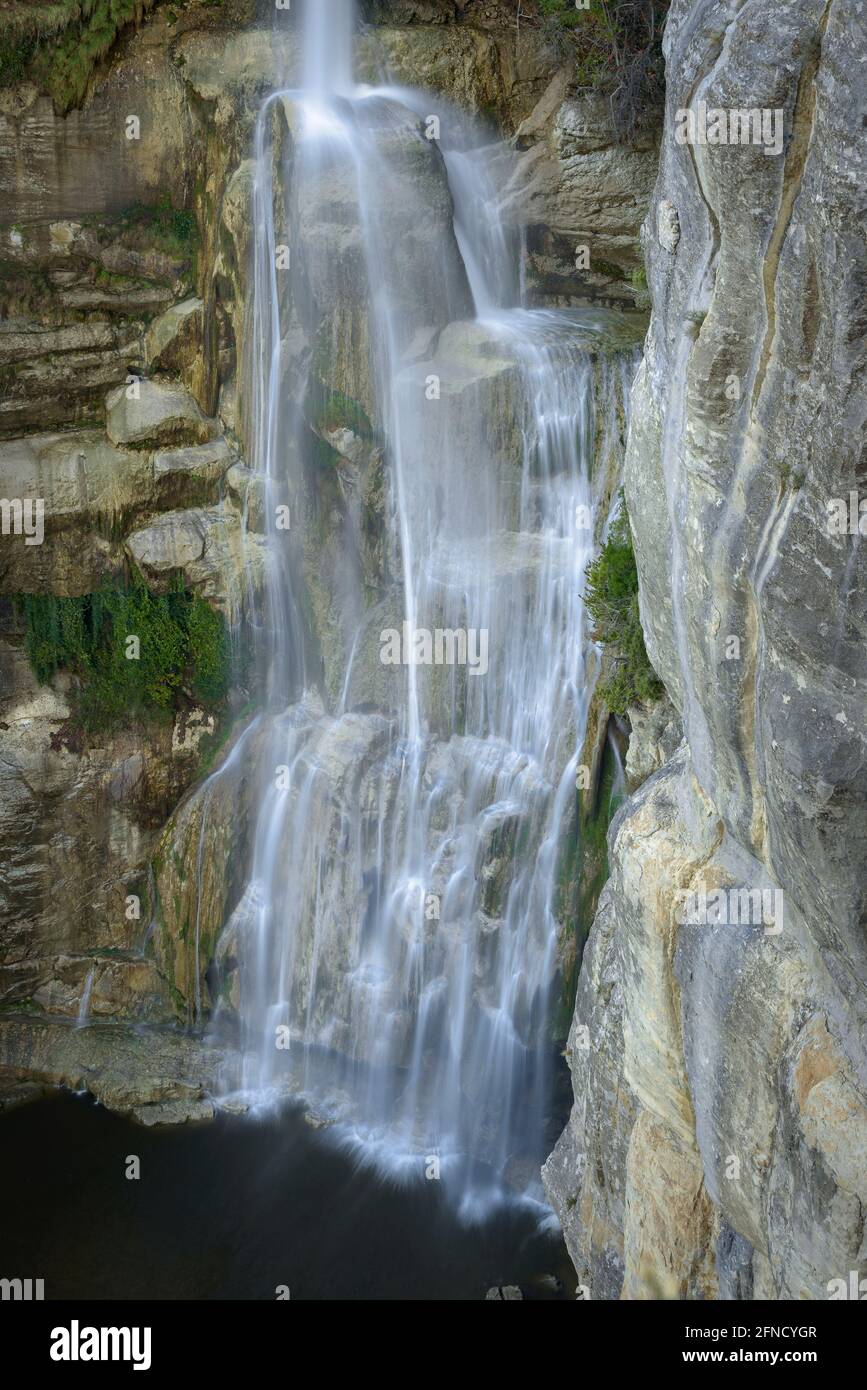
612	602
563	12
210	652
15	55
616	47
161	227
643	298
184	650
64	66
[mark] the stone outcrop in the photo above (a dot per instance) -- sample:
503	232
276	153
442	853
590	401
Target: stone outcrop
150	413
175	340
199	866
81	817
76	297
155	1075
580	195
718	1139
77	830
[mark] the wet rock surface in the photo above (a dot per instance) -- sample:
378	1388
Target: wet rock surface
158	1076
696	1162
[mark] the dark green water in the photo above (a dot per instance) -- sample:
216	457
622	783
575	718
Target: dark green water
234	1209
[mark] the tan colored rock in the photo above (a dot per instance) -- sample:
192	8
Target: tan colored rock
483	71
173	542
655	734
210	546
248	490
149	414
191	475
131	302
90	490
740	1041
20	340
705	1106
159	1076
77	830
61	168
197	875
670	1222
174	340
535	126
112	988
574	185
59	375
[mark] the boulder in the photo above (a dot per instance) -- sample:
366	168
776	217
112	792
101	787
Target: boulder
174	340
149	414
191	475
210	546
175	541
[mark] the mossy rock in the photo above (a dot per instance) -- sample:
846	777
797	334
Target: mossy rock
612	602
183	650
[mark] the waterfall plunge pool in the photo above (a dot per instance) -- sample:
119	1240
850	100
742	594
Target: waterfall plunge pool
236	1208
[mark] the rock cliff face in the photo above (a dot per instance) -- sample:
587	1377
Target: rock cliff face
718	1142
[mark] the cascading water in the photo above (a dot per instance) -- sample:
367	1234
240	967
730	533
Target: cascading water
84	1003
400	925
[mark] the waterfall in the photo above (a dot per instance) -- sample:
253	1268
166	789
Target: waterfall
84	1002
398	936
328	26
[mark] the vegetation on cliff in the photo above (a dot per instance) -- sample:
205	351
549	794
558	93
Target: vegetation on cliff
328	409
59	44
161	227
182	653
617	49
612	602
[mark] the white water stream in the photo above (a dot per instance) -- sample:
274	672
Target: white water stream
400	926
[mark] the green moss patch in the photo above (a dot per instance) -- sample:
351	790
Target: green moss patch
612	602
85	32
329	410
161	227
639	284
16	52
183	650
59	44
582	874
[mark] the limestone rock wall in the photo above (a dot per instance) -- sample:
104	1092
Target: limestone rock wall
718	1143
112	343
580	196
